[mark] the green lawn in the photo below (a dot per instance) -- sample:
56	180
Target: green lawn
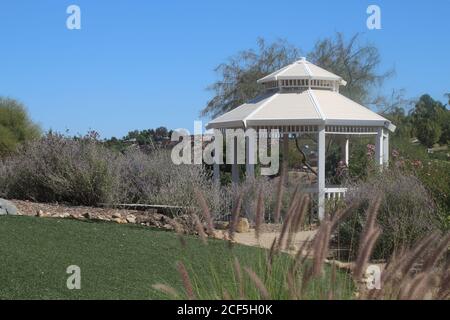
116	261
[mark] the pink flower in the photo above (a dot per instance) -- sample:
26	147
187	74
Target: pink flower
370	150
416	163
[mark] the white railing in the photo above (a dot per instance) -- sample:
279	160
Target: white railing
335	193
331	192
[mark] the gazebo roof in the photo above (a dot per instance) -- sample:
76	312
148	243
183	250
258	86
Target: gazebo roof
301	69
300	102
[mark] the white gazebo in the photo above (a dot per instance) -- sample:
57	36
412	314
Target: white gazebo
304	98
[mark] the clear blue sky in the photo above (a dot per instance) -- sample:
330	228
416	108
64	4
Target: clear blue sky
142	64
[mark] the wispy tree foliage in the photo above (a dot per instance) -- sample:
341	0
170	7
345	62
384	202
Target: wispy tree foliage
356	62
237	83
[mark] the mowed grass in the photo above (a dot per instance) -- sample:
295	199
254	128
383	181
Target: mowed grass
122	261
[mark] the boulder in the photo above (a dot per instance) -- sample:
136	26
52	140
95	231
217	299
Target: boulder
7	208
220	234
77	216
40	213
102	218
116	215
63	215
89	215
119	220
168	227
131	218
243	225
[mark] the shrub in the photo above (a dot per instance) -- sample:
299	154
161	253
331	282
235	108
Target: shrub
406	212
15	126
435	175
249	189
82	171
360	162
57	169
154	178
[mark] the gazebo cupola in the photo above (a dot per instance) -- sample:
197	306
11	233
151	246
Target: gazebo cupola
302	75
302	98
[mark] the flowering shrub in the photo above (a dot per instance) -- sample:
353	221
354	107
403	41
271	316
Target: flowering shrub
407	211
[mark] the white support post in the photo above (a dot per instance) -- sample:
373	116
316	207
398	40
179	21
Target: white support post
285	157
250	157
321	173
379	148
386	149
234	165
345	147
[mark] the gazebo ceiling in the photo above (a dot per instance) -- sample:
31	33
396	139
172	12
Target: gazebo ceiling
300	102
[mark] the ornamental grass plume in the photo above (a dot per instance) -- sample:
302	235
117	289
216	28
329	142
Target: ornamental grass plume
419	271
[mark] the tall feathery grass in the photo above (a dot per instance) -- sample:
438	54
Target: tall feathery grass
421	271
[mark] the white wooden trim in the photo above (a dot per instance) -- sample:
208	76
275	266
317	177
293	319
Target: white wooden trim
345	150
316	104
379	147
386	149
321	172
234	167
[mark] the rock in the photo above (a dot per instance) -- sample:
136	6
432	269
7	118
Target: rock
131	218
89	215
147	218
7	208
119	220
116	215
76	216
219	234
63	215
221	225
168	227
165	219
43	214
243	225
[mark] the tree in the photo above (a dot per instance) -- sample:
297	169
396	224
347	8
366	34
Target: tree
445	126
398	116
238	76
429	117
428	132
161	133
15	125
445	137
357	63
